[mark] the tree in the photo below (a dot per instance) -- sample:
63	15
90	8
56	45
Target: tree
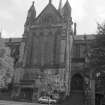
97	52
97	57
6	65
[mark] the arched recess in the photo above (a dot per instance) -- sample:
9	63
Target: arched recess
77	94
77	82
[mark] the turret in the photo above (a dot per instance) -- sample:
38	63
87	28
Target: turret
67	10
31	15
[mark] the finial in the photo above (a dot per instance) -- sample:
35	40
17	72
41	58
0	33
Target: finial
60	5
50	1
67	1
33	2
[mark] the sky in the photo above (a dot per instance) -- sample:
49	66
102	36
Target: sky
86	13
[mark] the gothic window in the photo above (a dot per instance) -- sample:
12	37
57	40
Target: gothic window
82	50
42	47
57	48
76	51
49	44
48	19
36	52
62	51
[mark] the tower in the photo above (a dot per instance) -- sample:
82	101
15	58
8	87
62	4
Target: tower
66	14
30	16
66	10
48	41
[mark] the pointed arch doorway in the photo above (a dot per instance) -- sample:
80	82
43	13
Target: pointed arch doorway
77	90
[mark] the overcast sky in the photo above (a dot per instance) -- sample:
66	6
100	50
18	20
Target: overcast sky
86	13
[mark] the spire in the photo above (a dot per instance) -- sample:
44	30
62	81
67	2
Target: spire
31	15
67	10
33	2
60	6
32	10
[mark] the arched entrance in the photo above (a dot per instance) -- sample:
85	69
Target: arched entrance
77	90
77	82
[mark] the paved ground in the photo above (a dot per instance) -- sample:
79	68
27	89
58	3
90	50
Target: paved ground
17	103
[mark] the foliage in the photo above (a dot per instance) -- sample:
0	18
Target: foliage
97	57
97	52
6	66
100	84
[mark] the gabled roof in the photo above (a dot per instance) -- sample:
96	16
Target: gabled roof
49	9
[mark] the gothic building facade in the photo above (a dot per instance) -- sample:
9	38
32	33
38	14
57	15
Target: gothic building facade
51	59
48	41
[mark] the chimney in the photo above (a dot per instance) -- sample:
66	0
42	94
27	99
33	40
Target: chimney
75	28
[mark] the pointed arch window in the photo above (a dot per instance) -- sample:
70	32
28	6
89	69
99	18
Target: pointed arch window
48	19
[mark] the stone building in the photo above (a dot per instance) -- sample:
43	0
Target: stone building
48	42
51	58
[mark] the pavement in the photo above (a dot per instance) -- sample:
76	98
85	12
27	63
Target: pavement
2	102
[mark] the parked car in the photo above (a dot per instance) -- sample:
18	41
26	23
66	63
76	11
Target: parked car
56	96
46	99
